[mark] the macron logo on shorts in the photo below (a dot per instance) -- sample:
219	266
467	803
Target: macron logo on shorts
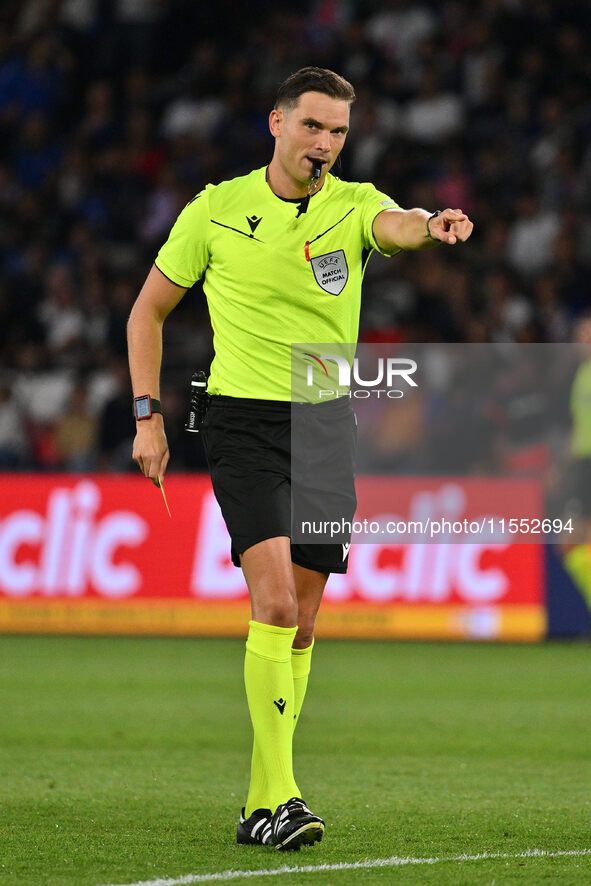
346	550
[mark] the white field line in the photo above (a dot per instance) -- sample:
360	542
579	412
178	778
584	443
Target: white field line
393	862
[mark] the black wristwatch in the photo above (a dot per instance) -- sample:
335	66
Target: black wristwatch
145	407
433	215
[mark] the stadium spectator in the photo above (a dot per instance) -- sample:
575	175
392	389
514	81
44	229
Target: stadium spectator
61	316
75	433
531	237
116	424
398	27
433	115
576	546
13	436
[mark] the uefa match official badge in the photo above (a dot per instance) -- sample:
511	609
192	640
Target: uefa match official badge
331	271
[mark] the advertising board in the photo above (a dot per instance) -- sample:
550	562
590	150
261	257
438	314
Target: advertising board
99	554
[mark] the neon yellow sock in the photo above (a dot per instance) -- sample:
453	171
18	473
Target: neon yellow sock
269	689
301	660
300	663
578	564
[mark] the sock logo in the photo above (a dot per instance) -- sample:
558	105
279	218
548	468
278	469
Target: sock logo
280	705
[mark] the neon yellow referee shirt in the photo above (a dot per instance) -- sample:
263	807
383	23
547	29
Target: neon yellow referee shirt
275	272
580	407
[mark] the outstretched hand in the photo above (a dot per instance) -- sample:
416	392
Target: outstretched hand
450	226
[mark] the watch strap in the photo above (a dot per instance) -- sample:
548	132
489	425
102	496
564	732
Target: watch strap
153	403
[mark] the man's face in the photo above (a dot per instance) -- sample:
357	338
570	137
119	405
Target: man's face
314	130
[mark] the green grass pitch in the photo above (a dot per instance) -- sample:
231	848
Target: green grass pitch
124	760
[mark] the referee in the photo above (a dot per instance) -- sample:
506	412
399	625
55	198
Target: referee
259	241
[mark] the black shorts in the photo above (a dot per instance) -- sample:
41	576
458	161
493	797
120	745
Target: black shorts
249	445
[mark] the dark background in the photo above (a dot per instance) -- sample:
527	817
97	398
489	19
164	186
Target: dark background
114	114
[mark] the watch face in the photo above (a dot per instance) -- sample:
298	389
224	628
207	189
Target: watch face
142	407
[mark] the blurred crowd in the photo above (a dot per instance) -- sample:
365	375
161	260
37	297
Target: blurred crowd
114	113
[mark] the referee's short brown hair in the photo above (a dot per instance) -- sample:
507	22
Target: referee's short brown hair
313	79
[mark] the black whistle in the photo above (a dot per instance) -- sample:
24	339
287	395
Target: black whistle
316	170
198	403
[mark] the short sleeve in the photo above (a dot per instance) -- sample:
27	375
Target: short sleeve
372	202
185	255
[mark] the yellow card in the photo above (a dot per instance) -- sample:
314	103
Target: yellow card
161	487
